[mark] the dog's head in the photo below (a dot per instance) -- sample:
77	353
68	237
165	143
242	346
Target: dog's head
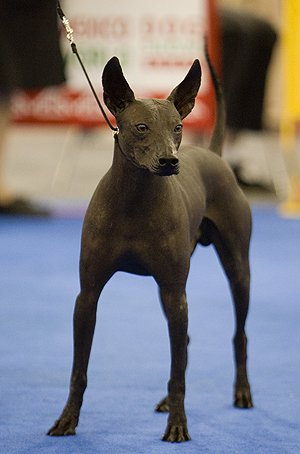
150	130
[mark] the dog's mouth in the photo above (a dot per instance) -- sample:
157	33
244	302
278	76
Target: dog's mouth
167	171
162	167
165	168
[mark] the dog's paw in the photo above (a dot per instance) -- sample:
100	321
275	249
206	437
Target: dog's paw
242	398
64	426
176	433
163	406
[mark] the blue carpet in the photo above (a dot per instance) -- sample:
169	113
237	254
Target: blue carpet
130	358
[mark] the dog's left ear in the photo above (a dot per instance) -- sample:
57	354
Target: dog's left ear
117	92
184	95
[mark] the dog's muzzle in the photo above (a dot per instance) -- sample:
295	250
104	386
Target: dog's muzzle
168	166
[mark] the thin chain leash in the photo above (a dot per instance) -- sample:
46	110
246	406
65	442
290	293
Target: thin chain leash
69	34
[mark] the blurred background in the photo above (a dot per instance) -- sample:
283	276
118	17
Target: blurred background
54	145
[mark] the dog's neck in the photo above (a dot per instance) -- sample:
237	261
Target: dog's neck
127	173
137	186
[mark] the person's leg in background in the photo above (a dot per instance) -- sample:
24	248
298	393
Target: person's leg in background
30	59
11	204
247	46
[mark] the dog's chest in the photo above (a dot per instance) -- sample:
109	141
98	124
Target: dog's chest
146	247
137	240
137	228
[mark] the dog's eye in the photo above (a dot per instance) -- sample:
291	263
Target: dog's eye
141	127
178	129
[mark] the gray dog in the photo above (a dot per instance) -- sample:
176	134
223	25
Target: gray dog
147	215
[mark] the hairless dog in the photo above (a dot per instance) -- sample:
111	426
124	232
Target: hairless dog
151	209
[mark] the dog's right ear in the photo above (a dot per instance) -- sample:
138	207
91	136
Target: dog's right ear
117	93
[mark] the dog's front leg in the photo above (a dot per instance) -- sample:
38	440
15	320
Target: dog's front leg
163	404
175	308
84	325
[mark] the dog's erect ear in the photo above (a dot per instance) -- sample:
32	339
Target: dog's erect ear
117	93
183	96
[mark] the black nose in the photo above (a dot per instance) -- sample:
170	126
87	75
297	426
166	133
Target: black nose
166	161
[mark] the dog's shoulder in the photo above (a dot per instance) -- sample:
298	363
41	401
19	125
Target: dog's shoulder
206	166
205	160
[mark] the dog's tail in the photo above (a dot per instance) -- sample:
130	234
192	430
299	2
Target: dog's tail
217	138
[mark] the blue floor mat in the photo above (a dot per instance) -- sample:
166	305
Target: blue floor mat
129	364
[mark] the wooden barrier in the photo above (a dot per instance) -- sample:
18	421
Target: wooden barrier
290	119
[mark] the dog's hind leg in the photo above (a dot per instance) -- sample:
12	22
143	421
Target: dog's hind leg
232	246
239	278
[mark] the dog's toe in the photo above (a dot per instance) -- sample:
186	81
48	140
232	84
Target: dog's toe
176	434
59	430
63	426
243	399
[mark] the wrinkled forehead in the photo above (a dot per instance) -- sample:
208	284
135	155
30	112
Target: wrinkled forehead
151	111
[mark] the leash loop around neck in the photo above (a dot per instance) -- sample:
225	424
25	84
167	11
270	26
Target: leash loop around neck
69	32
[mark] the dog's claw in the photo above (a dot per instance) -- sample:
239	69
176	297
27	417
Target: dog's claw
243	399
162	406
176	434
